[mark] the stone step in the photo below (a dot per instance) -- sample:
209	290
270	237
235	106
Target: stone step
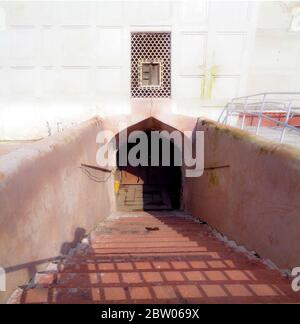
123	278
181	262
150	264
162	294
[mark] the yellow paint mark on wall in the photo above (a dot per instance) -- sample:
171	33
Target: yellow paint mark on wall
209	82
214	179
117	186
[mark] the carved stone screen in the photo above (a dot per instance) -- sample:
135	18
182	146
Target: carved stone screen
151	65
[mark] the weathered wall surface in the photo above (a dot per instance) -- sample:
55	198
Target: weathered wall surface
47	201
254	201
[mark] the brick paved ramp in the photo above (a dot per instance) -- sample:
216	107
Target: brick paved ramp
178	261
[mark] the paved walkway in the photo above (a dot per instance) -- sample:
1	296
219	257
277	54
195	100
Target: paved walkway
162	257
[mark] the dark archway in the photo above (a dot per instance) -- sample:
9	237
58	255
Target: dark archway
149	187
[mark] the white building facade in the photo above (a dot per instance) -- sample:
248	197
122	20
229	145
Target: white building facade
62	62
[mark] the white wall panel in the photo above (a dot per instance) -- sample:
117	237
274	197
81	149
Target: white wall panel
23	47
49	47
22	82
109	46
194	12
74	81
229	52
113	13
279	52
50	82
232	15
190	87
108	81
21	13
5	84
74	13
76	46
148	12
5	40
192	53
225	87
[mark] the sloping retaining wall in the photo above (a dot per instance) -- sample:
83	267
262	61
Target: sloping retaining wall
253	194
47	202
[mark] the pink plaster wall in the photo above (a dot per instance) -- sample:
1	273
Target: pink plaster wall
45	198
256	200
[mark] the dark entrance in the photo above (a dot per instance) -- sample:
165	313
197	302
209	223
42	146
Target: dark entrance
149	187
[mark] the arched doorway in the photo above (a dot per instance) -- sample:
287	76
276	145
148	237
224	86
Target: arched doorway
149	187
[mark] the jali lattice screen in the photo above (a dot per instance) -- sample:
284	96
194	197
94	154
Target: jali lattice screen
145	48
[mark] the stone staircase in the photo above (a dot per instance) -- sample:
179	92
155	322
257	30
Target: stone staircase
143	197
157	257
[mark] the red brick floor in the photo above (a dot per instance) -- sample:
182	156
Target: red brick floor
181	262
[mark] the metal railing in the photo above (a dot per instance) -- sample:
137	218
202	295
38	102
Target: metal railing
264	106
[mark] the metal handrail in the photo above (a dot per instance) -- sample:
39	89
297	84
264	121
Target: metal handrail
244	107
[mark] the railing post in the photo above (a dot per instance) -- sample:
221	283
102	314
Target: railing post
220	120
286	122
261	114
228	121
227	113
244	113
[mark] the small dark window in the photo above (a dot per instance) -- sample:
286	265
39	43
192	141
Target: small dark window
151	74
